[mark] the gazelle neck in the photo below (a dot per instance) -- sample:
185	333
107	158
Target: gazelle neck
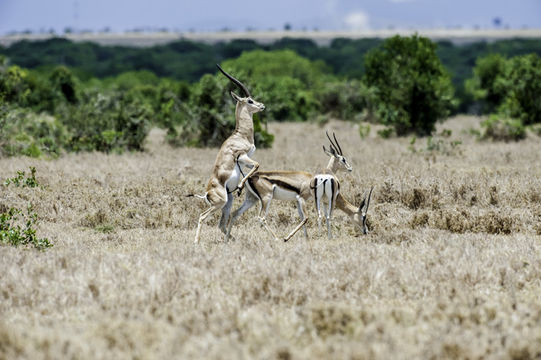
333	165
347	207
244	123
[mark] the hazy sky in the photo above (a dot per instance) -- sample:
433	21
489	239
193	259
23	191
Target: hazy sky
213	15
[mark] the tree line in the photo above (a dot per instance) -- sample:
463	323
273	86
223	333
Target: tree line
57	95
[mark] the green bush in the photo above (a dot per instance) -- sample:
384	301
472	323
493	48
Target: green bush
502	129
511	88
523	81
345	100
210	116
413	90
18	227
64	82
486	84
27	133
25	88
284	81
106	122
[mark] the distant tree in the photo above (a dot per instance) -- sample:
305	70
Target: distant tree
523	81
413	90
486	84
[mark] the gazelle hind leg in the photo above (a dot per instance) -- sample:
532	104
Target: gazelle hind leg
329	214
318	193
249	201
329	190
265	204
226	211
217	200
300	202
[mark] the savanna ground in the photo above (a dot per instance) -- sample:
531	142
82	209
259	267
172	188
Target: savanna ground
451	267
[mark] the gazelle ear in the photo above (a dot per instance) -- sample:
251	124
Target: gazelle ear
235	97
329	153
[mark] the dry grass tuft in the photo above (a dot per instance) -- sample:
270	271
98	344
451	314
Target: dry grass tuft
450	269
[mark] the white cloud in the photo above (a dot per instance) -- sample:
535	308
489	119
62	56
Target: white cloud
357	20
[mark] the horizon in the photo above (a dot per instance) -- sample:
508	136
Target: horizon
101	16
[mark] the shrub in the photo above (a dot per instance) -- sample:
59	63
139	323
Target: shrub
106	122
27	133
413	90
21	181
284	81
18	227
503	129
511	88
25	88
486	84
523	80
210	117
64	82
345	100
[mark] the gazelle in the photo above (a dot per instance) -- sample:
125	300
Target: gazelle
264	186
329	186
234	153
326	183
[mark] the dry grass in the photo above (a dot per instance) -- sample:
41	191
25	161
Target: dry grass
451	268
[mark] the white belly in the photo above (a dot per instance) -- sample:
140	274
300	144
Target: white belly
233	181
252	151
282	194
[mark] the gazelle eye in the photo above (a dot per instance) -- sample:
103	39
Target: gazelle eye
250	102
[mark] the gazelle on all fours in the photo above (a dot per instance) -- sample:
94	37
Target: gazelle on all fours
326	183
234	153
264	186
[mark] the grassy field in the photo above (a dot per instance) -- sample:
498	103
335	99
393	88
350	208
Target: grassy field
450	269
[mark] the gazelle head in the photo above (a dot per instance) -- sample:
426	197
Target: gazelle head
360	217
252	105
335	152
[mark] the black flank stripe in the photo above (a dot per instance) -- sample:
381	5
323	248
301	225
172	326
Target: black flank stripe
286	186
315	190
251	183
332	191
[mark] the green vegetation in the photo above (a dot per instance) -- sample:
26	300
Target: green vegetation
57	96
187	61
508	88
21	181
502	129
17	226
413	90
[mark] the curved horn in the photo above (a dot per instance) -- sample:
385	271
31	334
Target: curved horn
235	81
337	144
368	201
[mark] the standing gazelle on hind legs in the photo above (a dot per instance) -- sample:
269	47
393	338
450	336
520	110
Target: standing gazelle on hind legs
234	153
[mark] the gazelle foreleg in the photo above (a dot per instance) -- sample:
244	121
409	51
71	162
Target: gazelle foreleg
245	160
